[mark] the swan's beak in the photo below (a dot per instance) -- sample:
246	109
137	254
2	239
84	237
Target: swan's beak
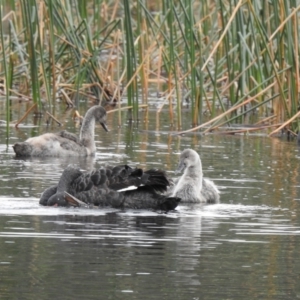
104	126
73	201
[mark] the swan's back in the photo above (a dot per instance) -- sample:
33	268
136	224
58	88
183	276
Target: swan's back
109	187
49	144
64	143
209	192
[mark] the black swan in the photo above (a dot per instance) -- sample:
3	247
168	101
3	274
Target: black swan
65	143
191	186
110	186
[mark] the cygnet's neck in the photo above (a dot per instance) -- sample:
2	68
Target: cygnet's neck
195	170
87	132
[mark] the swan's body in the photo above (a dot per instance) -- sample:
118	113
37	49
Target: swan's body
108	187
65	143
191	186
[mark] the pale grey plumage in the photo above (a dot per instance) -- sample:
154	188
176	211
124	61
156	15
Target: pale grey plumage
191	186
65	143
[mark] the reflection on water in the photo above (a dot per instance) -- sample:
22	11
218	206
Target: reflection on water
176	255
245	247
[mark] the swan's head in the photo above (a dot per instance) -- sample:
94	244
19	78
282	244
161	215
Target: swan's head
58	199
188	159
100	116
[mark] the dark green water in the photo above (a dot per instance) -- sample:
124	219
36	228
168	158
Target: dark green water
246	247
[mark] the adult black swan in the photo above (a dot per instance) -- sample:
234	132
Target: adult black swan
118	187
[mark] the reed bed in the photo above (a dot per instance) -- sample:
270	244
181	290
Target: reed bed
222	59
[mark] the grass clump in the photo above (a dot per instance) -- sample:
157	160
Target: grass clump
225	59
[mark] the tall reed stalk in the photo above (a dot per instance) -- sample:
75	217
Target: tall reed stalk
208	56
29	12
131	62
7	75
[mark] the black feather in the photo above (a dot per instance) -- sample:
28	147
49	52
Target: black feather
100	188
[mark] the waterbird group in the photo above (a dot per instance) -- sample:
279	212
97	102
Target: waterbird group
120	186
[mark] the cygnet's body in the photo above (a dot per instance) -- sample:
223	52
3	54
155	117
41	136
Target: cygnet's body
191	186
65	143
108	186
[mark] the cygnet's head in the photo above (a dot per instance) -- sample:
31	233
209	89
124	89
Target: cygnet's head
188	159
100	116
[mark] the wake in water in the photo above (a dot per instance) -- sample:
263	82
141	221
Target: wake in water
31	206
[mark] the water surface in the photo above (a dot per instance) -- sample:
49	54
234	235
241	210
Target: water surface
246	247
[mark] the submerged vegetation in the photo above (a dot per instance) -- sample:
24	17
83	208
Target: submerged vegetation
224	59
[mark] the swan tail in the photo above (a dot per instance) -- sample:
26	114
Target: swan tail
168	203
22	149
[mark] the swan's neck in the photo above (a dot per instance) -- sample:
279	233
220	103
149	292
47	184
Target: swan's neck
189	185
66	179
87	133
194	171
